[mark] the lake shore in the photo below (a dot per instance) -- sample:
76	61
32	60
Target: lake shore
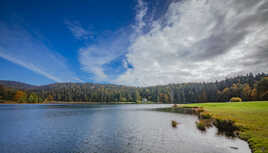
93	103
251	119
57	102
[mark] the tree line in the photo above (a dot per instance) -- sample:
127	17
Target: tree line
248	87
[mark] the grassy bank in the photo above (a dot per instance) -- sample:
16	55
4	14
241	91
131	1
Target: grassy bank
251	117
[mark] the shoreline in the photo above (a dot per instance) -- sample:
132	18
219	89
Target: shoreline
197	111
249	120
92	103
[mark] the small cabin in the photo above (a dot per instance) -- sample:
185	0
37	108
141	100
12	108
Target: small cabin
144	100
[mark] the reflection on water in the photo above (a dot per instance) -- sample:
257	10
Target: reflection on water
106	129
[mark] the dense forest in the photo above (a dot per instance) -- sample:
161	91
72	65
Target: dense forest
249	87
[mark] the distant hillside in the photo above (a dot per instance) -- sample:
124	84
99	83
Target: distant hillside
16	85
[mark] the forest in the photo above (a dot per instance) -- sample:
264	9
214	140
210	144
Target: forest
248	87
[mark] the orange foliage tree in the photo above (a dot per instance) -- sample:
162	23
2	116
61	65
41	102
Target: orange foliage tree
20	96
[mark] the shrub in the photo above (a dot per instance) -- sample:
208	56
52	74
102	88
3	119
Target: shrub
198	110
175	105
205	115
174	123
226	127
201	125
138	102
236	99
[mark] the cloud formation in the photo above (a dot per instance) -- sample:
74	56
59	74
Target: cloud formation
199	40
78	31
22	48
94	58
141	13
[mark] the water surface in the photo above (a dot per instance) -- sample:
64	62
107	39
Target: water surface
83	128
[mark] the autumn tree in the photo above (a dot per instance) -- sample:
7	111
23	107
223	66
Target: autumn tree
226	94
137	97
246	92
20	96
203	97
164	98
33	98
253	94
40	99
235	92
262	89
49	98
2	91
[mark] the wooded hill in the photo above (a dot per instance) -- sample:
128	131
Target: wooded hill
248	87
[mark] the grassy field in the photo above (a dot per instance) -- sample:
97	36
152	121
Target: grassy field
252	116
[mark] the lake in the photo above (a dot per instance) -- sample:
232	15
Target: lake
85	128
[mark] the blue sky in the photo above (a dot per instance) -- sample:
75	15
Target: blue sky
131	42
50	23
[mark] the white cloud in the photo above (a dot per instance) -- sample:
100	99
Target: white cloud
141	13
93	57
200	40
21	48
109	47
29	66
77	30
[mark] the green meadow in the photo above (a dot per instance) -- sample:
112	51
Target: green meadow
252	117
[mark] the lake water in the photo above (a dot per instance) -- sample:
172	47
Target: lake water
105	129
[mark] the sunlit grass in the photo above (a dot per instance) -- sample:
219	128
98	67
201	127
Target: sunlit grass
251	116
